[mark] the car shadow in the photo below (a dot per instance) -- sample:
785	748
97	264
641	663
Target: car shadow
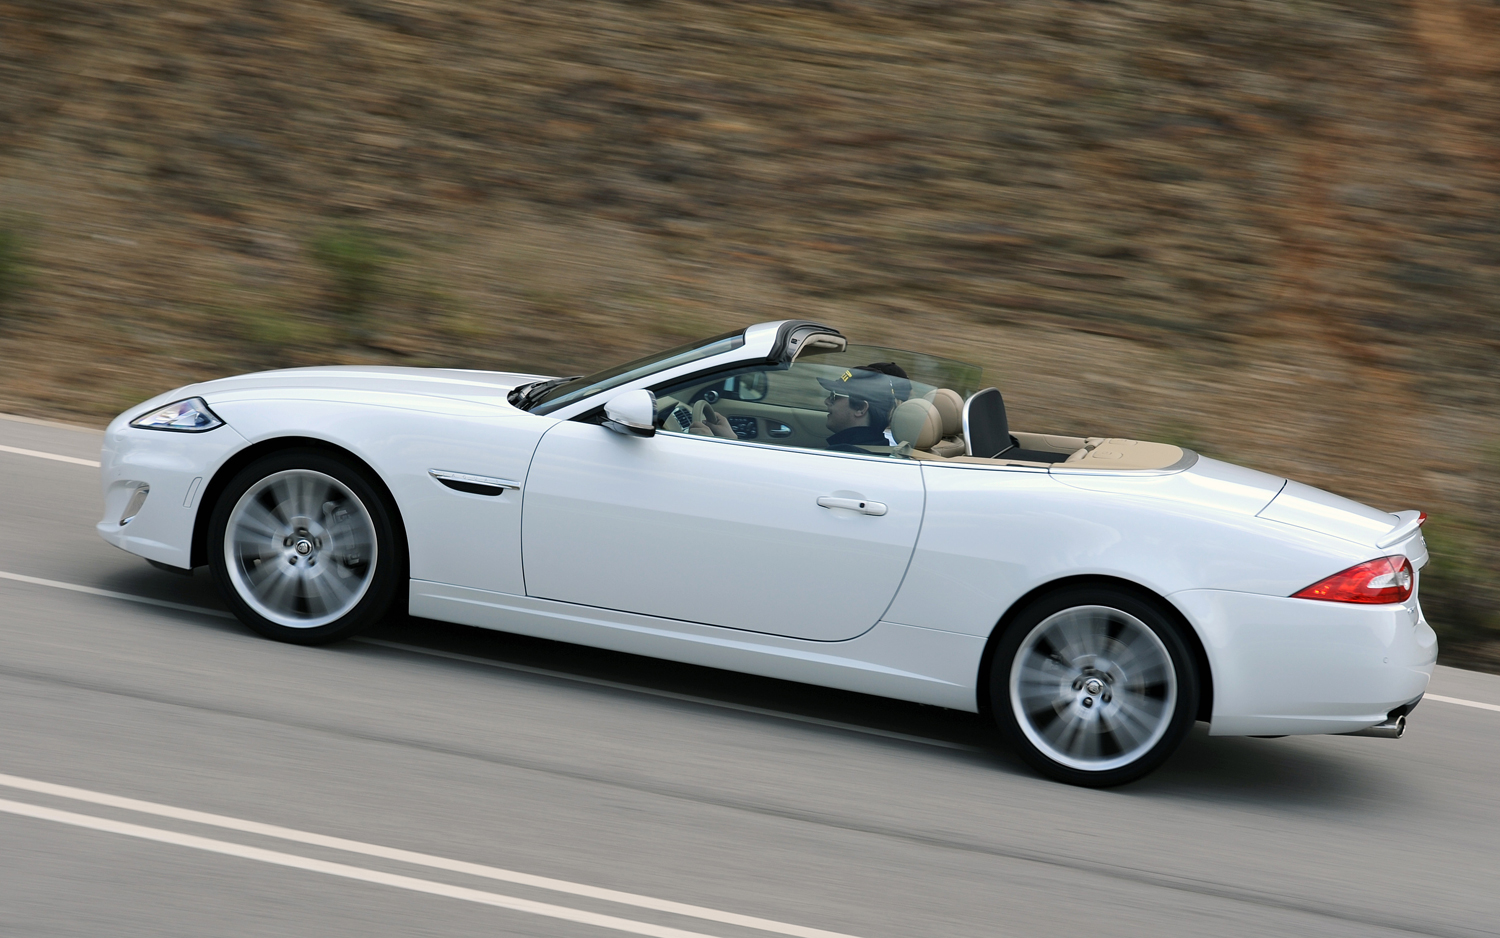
711	685
1289	773
1306	772
141	579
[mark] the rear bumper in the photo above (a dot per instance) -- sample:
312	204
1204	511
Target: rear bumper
1297	666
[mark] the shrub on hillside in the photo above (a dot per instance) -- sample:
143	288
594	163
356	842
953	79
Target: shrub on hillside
1461	584
13	269
354	260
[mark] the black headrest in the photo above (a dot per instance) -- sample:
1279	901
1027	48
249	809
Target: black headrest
986	431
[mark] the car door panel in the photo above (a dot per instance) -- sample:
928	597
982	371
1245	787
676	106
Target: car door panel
717	532
809	428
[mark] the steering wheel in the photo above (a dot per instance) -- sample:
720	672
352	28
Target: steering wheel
704	414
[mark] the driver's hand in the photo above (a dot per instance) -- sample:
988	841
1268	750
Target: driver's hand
717	424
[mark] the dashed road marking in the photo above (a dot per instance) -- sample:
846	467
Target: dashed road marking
1463	703
111	594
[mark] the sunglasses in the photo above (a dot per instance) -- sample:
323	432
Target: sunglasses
834	396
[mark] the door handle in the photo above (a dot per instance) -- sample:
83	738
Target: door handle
852	504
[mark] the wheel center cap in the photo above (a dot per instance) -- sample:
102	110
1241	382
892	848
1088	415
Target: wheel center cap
303	546
1093	685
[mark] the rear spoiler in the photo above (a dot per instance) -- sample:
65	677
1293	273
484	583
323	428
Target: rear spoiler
1410	522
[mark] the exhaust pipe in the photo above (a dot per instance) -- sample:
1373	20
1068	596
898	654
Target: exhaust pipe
1390	729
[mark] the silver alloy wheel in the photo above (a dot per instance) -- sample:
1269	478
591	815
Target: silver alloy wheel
300	548
1093	688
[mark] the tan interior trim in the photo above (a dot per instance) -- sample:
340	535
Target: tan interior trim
1049	442
983	461
1124	454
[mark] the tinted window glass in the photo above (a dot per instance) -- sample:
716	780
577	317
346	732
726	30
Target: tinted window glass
926	371
798	405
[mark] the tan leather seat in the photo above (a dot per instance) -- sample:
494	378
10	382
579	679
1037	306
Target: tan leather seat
919	423
950	406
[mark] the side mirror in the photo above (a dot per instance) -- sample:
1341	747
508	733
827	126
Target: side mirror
632	413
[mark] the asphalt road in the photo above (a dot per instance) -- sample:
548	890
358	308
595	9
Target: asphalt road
799	808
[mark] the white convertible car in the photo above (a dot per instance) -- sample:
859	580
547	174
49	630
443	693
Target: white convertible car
779	501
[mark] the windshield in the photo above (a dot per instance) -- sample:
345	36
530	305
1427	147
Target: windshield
925	371
579	388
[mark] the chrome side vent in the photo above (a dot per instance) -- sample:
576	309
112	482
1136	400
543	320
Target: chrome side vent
472	484
133	507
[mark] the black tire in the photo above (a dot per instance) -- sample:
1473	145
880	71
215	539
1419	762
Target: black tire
1100	724
353	530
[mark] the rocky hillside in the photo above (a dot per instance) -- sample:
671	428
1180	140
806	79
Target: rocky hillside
1264	228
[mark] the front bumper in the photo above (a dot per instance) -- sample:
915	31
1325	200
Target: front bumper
177	467
1286	666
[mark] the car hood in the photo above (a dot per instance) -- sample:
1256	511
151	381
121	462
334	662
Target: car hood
480	387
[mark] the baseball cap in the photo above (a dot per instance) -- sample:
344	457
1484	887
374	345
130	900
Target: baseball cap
857	382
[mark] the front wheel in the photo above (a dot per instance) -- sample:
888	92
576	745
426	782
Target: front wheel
304	549
1093	686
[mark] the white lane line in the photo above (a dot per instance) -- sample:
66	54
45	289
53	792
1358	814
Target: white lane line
527	669
111	594
41	455
50	423
348	872
407	856
1463	703
671	695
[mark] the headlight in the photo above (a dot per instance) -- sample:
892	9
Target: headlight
189	416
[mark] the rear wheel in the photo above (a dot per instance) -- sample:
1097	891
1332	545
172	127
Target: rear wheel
303	547
1094	686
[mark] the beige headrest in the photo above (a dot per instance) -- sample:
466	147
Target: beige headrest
917	422
950	406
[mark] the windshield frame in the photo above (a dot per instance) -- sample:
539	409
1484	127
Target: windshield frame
579	389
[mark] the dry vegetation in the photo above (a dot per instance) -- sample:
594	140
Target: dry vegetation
1269	229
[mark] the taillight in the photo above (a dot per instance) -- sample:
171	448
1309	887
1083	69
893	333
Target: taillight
1387	580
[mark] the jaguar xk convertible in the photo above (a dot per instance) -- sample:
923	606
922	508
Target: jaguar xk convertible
779	501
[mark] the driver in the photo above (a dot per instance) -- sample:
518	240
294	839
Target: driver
859	406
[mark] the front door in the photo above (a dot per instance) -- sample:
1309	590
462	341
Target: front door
803	543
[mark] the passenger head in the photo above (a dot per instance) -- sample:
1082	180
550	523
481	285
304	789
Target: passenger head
900	380
859	398
846	411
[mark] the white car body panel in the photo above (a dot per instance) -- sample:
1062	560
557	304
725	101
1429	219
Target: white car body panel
1316	510
1206	484
176	466
1295	666
718	532
960	546
992	535
889	660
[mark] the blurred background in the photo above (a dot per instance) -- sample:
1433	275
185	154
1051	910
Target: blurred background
1265	229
